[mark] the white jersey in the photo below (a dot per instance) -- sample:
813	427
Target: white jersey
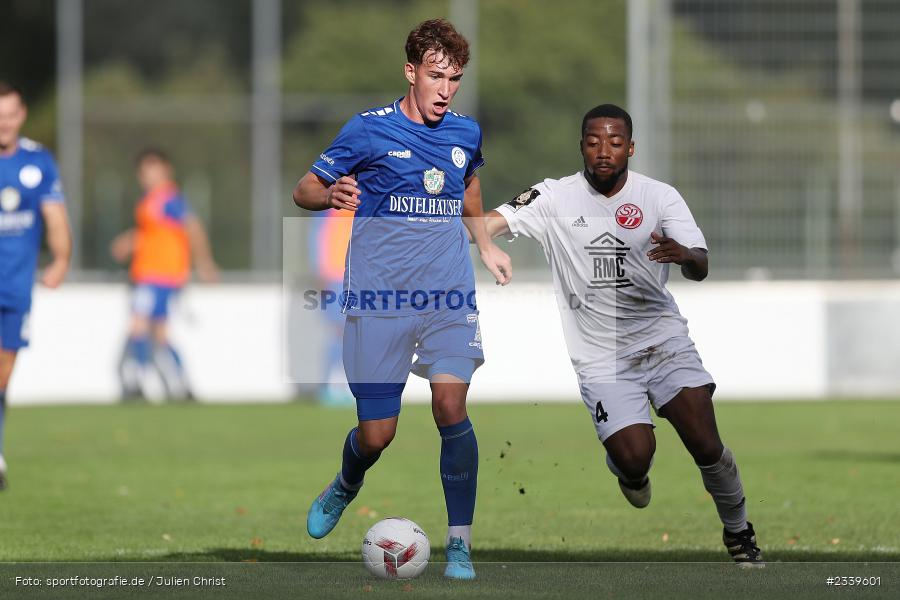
613	300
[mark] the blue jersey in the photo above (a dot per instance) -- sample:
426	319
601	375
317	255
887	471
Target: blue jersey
27	179
408	252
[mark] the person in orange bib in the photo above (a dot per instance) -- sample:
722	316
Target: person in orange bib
167	235
330	236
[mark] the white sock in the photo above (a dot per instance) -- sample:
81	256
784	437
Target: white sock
460	531
723	482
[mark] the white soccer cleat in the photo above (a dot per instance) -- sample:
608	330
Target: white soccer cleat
639	497
2	473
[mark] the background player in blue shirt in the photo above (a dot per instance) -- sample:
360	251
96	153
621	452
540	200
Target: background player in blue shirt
31	198
408	172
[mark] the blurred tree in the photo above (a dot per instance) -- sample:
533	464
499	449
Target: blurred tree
28	45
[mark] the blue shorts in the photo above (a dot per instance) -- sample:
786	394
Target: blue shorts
378	354
152	301
14	328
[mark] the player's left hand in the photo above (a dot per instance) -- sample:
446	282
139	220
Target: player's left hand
668	250
498	263
54	274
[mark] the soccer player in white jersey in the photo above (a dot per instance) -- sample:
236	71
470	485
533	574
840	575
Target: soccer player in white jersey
408	171
610	235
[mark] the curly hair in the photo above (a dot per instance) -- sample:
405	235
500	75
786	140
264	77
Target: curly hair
440	36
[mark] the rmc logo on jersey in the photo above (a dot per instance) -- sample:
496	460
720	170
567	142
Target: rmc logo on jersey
608	254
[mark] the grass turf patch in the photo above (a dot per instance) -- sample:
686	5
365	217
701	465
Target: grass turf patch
232	483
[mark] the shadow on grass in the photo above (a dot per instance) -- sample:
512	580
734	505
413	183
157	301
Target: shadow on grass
502	555
856	456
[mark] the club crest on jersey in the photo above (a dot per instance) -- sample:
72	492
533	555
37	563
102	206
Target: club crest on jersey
30	176
629	216
10	199
434	181
458	156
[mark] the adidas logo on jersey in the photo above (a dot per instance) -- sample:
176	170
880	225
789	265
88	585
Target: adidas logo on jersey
580	222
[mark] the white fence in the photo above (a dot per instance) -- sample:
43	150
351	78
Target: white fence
759	340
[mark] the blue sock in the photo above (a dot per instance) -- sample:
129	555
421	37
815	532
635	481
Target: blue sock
2	413
459	471
141	349
176	358
355	464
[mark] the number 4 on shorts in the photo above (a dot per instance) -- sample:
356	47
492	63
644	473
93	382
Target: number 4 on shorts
600	414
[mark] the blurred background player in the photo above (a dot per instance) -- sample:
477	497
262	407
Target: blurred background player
329	238
166	236
31	199
416	195
610	235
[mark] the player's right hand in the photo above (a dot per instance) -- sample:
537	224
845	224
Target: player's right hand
122	246
344	195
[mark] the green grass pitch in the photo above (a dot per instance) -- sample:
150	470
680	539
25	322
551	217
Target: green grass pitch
214	483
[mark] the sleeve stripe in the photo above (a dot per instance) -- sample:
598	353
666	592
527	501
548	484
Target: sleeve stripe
512	220
474	167
326	173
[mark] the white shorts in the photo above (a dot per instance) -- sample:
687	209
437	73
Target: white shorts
653	375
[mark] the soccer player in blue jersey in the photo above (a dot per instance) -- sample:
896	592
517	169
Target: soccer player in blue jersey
408	172
31	200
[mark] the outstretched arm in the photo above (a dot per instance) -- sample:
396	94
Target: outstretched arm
315	193
495	259
59	240
495	223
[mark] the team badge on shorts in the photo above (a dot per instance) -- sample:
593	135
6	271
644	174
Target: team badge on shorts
434	181
629	216
472	319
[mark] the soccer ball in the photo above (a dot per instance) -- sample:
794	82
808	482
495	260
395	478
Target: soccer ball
396	548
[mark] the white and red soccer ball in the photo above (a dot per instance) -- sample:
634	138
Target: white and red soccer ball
396	548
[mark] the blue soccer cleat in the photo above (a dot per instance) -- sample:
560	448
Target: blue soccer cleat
327	508
459	563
